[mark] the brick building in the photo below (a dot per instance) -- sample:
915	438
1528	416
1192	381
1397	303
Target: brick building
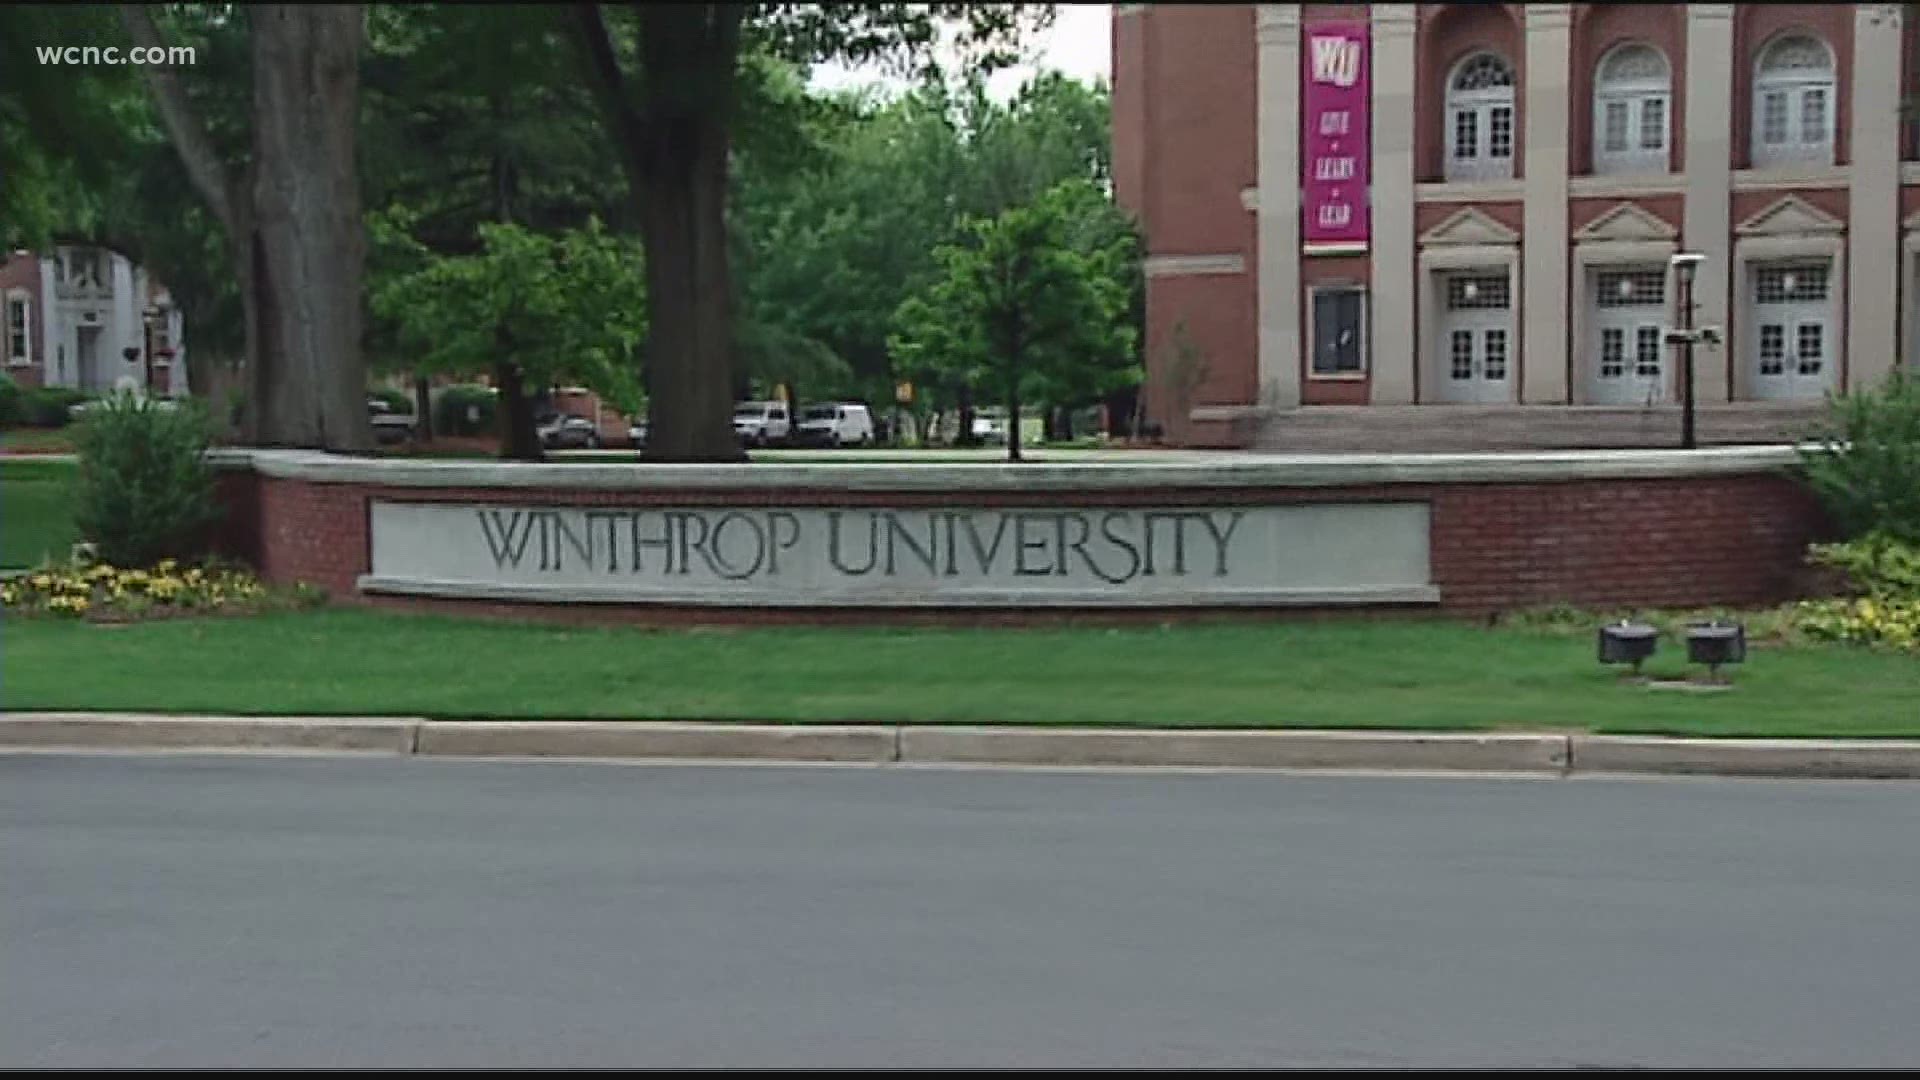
1451	225
86	318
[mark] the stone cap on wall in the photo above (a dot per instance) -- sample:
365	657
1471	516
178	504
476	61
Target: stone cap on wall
1122	470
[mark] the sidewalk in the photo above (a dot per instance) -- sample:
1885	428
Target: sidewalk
1548	753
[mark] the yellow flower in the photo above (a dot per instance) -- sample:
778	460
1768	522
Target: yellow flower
165	566
40	581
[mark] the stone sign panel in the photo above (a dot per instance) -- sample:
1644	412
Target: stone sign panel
1323	553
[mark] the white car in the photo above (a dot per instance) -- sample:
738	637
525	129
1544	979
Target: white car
842	423
761	423
991	430
560	431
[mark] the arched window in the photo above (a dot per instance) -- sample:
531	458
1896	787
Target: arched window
1480	119
1793	102
1631	90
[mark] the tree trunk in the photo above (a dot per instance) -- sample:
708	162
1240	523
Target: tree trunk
683	222
1013	410
292	218
519	439
212	378
1122	407
422	409
306	236
965	436
674	144
677	153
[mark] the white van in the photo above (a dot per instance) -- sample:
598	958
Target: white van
840	423
761	423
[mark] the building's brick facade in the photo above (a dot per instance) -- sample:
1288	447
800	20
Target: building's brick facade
1201	95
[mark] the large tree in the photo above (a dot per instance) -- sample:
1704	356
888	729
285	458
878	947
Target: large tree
669	92
289	209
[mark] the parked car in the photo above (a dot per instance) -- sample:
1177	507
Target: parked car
637	434
990	429
762	423
389	426
561	431
840	423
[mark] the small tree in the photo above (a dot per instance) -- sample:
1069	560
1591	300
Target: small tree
145	490
532	309
1020	310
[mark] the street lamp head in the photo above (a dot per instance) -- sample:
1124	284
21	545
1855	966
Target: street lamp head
1686	263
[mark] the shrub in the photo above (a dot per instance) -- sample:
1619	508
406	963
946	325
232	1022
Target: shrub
1878	564
398	400
450	413
1867	467
10	401
1863	620
145	490
1883	572
49	406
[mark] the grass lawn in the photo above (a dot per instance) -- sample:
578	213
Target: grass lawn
35	519
1342	673
37	441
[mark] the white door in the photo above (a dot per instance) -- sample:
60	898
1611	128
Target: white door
1476	339
1626	362
89	375
1791	346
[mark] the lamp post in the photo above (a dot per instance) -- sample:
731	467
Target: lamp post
1685	264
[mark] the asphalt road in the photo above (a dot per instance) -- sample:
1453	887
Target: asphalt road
169	911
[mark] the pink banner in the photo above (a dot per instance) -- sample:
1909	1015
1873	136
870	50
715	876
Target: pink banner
1336	148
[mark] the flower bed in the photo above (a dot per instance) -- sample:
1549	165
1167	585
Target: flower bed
105	593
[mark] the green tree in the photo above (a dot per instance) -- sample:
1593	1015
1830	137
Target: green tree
287	201
47	111
474	114
670	85
1022	310
531	309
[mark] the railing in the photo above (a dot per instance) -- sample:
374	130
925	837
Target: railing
82	290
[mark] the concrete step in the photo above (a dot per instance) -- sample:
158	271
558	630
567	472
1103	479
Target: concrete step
1414	428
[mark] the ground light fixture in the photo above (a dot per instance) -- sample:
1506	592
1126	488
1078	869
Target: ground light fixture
1716	644
1627	643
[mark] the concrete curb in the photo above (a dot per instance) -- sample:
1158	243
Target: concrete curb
617	739
888	744
136	731
1858	759
1235	749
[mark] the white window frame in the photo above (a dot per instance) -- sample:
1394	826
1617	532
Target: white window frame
24	299
1635	93
1793	85
1313	332
1481	104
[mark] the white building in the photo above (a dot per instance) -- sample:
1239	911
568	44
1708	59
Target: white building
88	318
